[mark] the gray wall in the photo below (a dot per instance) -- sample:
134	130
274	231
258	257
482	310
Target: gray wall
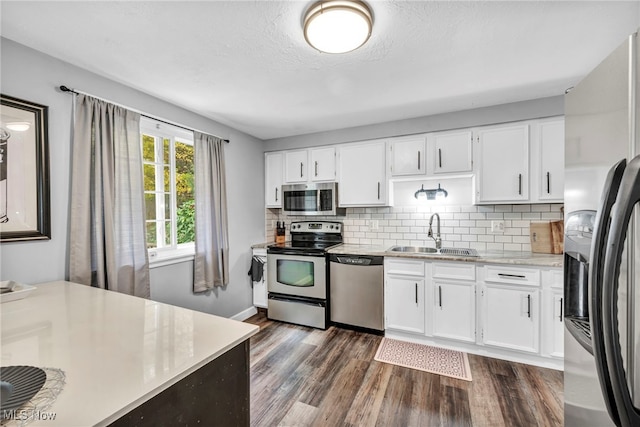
34	76
533	109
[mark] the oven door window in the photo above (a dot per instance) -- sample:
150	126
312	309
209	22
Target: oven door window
295	273
301	201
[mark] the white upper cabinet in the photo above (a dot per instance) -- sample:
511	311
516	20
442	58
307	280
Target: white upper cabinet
502	156
322	164
407	155
312	165
362	174
450	152
274	172
551	139
295	166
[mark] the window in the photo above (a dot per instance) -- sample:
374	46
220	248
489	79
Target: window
168	187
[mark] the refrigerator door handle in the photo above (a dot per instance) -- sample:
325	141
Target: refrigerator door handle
628	197
596	268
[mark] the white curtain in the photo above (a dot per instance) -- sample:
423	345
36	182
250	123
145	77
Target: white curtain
107	231
211	265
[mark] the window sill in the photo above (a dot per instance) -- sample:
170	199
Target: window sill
161	259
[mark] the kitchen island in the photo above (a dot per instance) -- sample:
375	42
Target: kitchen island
128	360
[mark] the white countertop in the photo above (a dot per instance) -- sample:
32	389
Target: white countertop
117	351
487	257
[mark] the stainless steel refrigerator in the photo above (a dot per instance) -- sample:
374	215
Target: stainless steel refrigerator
602	244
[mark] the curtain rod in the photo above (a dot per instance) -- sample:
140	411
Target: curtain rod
64	88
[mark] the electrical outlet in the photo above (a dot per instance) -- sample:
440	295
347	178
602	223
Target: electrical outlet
497	226
373	225
273	223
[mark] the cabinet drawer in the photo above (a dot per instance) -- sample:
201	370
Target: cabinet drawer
556	278
405	267
512	275
454	270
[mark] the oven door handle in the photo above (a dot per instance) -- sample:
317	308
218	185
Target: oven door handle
293	252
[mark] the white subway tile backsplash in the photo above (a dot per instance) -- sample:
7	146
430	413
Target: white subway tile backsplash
460	226
541	208
522	208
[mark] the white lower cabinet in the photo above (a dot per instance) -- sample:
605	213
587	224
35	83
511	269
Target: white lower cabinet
510	317
553	314
404	295
454	301
454	310
260	291
502	311
404	303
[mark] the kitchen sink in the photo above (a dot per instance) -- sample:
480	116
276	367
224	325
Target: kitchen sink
413	249
434	251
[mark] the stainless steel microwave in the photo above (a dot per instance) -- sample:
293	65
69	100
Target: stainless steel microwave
311	199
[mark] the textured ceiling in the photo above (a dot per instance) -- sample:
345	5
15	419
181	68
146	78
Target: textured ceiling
246	64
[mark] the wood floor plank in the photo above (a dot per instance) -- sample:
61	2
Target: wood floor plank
336	405
366	405
485	409
300	415
302	376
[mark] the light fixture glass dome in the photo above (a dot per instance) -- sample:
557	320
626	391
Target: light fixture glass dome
335	26
18	126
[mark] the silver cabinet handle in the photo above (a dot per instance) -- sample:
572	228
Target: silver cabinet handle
416	293
276	194
529	306
316	165
378	190
520	184
301	169
440	157
418	159
440	295
548	183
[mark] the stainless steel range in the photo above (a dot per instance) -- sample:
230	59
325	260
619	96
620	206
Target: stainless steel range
297	274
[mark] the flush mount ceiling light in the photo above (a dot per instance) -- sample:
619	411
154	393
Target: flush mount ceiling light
431	194
335	26
18	126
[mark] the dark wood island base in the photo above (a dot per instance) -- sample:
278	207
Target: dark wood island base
215	395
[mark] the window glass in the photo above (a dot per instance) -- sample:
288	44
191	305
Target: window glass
168	171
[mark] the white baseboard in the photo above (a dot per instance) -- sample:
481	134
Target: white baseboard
244	315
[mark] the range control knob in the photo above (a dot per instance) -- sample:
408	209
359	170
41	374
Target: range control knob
331	227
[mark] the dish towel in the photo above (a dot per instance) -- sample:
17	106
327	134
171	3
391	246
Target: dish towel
256	270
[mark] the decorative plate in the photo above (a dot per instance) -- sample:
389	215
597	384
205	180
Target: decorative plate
26	382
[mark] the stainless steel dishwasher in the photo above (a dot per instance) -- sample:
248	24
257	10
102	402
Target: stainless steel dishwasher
356	291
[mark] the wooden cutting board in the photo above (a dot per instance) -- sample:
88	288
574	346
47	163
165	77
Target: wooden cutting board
547	237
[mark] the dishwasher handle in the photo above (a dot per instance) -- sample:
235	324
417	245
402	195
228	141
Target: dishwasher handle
361	260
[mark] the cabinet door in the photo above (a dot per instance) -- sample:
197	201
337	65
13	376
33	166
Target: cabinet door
404	304
503	164
454	310
451	152
274	171
551	136
361	175
323	164
260	292
557	328
407	155
510	318
295	166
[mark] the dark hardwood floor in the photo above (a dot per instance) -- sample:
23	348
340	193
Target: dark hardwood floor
307	377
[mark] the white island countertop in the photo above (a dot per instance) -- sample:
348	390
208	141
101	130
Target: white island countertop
116	351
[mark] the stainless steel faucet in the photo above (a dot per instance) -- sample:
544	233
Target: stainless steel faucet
430	232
